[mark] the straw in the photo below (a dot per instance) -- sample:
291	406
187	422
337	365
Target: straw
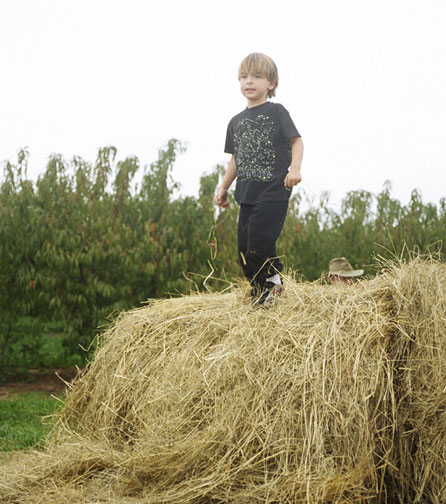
335	395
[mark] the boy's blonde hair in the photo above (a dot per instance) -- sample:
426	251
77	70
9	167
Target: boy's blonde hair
263	65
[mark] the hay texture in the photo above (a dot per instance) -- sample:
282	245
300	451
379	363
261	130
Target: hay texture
419	454
336	395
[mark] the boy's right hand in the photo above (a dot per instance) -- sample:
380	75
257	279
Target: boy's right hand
221	197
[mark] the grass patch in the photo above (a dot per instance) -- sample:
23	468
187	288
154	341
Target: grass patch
21	422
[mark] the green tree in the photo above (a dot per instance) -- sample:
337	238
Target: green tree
18	277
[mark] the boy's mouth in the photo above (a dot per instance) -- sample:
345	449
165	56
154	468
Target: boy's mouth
249	90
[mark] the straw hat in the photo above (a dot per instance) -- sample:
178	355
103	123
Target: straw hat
341	267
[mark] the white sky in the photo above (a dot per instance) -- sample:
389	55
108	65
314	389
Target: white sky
365	83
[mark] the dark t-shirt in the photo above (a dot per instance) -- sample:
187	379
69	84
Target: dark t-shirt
259	137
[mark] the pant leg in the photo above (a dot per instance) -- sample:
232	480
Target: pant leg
242	237
265	223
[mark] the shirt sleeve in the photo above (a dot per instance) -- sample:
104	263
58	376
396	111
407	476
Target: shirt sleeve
229	144
286	123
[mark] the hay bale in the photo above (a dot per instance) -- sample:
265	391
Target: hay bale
419	294
202	399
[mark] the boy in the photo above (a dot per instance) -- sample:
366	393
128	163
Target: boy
266	153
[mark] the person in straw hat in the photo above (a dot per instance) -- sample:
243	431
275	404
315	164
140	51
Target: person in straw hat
341	271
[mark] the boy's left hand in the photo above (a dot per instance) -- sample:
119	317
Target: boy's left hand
293	177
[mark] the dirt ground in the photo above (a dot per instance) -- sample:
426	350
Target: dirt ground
49	381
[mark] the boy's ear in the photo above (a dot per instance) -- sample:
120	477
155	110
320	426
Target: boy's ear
271	85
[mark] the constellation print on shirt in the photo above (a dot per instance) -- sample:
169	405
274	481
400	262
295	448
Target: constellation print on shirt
254	151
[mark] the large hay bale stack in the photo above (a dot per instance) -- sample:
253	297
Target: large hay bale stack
336	395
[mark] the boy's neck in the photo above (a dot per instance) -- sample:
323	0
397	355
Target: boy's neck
252	104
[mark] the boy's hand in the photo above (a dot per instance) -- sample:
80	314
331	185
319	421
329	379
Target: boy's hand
293	177
222	197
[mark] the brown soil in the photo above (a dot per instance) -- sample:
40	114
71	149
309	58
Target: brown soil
49	381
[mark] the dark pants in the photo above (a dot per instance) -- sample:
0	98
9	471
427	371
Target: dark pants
259	226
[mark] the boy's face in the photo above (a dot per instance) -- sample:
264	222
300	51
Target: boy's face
255	87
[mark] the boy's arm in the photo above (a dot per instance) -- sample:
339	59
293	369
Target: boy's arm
221	197
297	151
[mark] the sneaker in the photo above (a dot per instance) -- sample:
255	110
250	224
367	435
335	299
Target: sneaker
274	293
270	293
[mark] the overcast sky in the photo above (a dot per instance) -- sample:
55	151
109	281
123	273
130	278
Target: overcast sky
365	83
